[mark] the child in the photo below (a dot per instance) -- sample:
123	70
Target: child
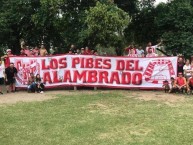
173	87
166	86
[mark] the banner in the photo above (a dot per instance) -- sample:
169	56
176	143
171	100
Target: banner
88	70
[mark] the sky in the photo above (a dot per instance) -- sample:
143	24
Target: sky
159	1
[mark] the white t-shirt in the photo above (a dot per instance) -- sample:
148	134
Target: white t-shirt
2	70
152	47
187	68
140	52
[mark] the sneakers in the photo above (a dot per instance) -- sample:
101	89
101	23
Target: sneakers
1	93
42	92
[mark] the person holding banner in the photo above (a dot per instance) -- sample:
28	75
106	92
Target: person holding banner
153	48
151	53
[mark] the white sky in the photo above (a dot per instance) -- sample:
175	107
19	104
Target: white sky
159	1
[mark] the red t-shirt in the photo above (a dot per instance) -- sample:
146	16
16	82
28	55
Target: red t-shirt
180	81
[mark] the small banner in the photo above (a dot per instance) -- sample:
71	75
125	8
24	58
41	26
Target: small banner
88	70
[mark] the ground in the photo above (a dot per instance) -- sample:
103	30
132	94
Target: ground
102	117
22	96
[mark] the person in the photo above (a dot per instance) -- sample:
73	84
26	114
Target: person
127	49
190	84
132	53
43	51
10	75
87	51
26	50
31	53
31	83
151	53
36	51
39	85
82	51
180	82
6	57
77	51
187	69
140	52
153	48
2	71
73	48
166	86
70	52
172	86
22	53
180	65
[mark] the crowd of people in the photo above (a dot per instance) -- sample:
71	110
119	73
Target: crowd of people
184	81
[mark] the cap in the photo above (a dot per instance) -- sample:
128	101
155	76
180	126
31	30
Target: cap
8	50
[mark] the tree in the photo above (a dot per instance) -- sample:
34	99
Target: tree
176	25
105	24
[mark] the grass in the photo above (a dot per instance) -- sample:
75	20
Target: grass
99	118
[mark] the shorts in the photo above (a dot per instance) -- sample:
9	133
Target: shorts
10	81
2	81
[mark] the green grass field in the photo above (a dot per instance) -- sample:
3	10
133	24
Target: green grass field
98	118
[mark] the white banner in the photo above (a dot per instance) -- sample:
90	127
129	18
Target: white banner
86	70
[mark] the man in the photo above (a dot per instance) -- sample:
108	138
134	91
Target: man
190	84
180	82
132	53
6	57
129	48
153	48
140	52
43	51
2	71
10	75
150	53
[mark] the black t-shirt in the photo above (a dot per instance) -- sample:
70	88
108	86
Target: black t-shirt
10	72
180	67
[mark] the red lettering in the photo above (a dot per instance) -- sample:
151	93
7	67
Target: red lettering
107	64
75	61
89	63
79	76
126	78
67	76
62	62
137	79
92	76
120	65
53	64
137	67
115	78
55	77
44	67
98	63
47	77
103	77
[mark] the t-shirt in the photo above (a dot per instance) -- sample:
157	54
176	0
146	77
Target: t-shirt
152	47
2	69
191	81
187	67
10	72
140	52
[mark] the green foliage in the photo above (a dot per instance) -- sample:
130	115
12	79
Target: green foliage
105	24
176	24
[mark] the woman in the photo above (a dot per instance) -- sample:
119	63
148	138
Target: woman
39	84
187	69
